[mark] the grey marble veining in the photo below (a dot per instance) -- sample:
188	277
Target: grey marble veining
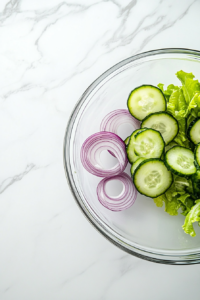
50	52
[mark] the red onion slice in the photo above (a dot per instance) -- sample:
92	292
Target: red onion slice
123	201
92	148
115	118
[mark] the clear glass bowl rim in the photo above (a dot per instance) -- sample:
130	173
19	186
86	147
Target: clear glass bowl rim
185	259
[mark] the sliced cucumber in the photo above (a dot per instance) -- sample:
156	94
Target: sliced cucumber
196	184
136	164
132	157
144	100
148	144
151	178
194	131
197	155
162	122
126	141
180	161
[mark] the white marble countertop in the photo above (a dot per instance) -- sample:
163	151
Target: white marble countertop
50	51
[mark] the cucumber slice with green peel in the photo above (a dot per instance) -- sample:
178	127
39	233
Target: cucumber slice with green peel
151	178
136	164
180	161
132	157
149	144
163	122
126	141
197	155
144	100
194	131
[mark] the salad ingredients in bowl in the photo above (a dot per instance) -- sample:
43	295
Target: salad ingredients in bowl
163	150
120	166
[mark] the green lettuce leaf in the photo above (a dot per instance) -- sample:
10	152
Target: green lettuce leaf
183	76
168	91
181	184
159	200
193	109
171	206
191	92
176	197
196	184
195	103
184	104
190	189
185	185
181	137
192	216
177	107
187	203
161	86
190	86
191	117
170	145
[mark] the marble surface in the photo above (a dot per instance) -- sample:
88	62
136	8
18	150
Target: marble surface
50	51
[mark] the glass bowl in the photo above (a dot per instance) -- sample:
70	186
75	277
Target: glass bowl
143	230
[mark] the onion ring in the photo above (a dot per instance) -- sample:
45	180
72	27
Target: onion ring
94	145
124	200
117	117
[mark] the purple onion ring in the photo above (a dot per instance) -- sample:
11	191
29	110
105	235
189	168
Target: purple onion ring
123	201
117	117
92	148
